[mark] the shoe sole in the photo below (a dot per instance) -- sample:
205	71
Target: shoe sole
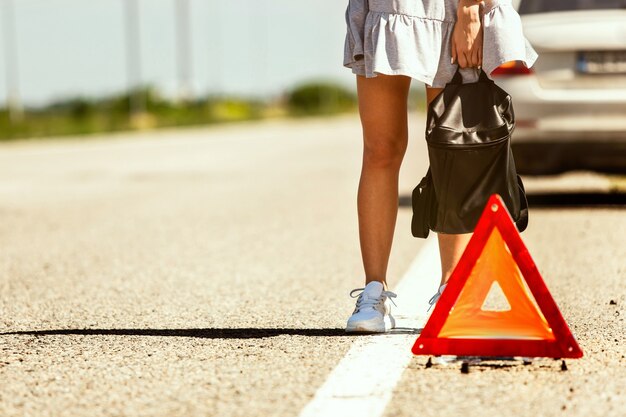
373	327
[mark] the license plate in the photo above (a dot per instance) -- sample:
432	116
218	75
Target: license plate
601	62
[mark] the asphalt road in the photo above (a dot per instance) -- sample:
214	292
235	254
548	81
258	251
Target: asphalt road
206	272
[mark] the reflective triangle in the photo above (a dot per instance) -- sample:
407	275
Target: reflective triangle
496	256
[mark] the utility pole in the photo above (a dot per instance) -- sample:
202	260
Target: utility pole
133	58
183	49
14	104
216	59
259	19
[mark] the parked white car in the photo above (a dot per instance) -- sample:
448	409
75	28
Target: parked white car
571	106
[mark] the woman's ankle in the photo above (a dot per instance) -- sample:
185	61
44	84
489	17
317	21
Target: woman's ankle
382	281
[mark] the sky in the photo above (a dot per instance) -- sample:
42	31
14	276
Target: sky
68	48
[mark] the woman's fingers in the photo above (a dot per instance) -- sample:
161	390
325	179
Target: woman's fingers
457	52
467	58
465	61
475	62
479	48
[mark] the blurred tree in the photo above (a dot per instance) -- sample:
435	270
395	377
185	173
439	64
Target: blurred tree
319	97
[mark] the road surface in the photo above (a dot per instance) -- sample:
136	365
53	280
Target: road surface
206	271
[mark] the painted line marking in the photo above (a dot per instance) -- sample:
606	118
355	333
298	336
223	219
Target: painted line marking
363	381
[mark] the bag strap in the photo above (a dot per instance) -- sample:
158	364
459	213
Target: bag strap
522	221
421	202
458	79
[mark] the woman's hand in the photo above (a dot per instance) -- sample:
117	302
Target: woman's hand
467	36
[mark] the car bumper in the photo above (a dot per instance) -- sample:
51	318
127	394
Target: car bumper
556	115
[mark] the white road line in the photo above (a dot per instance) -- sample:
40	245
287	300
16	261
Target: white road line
362	383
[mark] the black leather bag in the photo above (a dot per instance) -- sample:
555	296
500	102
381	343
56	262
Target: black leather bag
468	134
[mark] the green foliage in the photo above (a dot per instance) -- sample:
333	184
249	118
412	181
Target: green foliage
143	108
315	98
233	109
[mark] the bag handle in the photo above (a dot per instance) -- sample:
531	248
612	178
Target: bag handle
458	79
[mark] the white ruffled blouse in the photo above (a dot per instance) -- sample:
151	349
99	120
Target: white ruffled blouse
412	37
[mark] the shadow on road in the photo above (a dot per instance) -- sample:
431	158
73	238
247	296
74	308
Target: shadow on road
562	200
216	333
576	199
240	333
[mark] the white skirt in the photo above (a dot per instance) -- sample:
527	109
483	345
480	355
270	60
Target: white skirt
412	37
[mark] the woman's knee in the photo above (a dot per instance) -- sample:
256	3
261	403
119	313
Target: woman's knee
385	150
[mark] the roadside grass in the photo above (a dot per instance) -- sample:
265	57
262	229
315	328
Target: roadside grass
144	109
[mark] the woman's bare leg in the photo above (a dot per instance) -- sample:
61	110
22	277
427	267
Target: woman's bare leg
383	111
451	246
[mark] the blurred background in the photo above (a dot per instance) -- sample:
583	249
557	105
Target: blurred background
71	66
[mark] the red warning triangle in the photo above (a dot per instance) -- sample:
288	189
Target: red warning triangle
531	326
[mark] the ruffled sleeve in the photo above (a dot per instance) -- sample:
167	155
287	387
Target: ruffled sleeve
503	37
355	16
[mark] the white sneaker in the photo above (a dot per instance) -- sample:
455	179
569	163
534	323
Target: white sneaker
372	313
433	300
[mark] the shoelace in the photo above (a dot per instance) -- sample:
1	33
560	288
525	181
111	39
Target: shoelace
435	297
371	302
